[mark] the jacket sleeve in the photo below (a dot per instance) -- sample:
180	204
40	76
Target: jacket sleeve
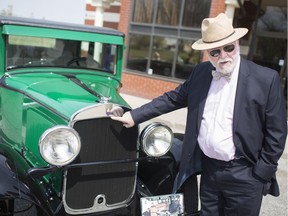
165	103
275	132
177	98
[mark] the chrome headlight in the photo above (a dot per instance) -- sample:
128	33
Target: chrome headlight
59	145
156	139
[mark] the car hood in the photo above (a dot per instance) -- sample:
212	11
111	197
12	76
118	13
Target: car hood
65	93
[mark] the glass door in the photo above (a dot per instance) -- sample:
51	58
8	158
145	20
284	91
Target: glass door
270	44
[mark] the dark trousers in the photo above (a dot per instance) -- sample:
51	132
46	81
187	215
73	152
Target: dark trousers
229	188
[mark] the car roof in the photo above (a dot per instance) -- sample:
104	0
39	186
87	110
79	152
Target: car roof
11	20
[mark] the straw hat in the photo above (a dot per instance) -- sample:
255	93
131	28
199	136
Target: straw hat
216	32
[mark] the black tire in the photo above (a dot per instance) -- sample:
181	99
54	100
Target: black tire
19	207
6	207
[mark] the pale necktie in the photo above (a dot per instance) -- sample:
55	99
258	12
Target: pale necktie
217	75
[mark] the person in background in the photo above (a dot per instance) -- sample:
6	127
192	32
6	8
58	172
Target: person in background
236	123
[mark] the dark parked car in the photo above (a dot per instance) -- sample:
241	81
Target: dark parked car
60	152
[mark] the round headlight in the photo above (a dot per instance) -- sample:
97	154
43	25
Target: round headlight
156	139
59	145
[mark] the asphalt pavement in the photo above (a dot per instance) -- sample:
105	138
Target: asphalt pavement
271	206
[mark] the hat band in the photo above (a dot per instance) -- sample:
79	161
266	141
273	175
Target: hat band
220	39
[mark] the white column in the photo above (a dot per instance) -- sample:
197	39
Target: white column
230	8
99	13
98	21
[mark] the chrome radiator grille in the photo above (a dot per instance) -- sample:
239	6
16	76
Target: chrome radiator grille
102	187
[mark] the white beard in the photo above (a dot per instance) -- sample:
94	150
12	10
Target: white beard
226	69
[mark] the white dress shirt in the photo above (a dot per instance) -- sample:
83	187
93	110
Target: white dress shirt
216	136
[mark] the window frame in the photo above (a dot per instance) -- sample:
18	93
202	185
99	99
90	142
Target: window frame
153	30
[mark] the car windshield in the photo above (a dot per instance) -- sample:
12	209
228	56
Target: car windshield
26	51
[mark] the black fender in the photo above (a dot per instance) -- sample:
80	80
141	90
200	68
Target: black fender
176	148
159	175
16	185
10	186
190	187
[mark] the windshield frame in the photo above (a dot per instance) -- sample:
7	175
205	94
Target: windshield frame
48	29
28	52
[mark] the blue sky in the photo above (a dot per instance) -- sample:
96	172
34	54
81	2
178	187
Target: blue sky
72	11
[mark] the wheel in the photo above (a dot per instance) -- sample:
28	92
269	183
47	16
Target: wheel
6	207
19	207
77	60
88	62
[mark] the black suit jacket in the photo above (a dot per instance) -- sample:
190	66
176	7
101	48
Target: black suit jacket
259	121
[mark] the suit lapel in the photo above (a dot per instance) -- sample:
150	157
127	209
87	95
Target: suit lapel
240	92
203	97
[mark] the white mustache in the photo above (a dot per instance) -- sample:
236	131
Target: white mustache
224	60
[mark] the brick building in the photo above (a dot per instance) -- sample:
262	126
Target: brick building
153	24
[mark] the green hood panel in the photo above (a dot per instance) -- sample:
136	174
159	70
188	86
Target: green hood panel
65	94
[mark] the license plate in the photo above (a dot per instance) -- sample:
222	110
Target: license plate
164	205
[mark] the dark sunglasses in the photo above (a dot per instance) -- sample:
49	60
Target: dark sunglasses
228	49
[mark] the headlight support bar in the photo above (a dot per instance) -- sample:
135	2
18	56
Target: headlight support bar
39	172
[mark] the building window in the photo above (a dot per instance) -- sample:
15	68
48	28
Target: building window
143	11
194	12
168	12
161	34
138	52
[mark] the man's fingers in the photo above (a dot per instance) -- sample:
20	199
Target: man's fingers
126	119
116	111
116	118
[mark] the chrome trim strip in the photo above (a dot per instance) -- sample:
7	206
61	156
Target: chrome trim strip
99	110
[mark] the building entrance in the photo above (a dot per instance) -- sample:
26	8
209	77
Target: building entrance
267	41
270	44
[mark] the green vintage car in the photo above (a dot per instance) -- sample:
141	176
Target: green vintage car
60	152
